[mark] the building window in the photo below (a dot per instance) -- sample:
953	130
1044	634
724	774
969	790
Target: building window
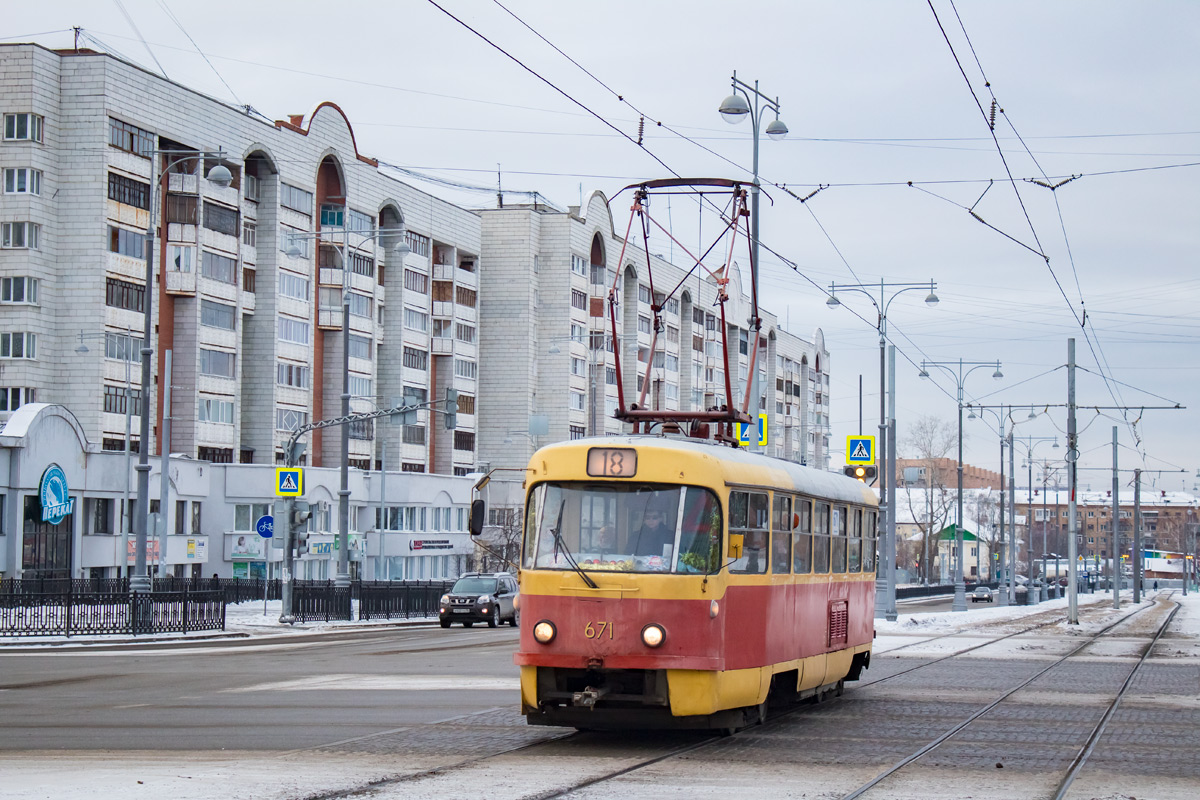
20	235
359	304
643	294
578	299
579	265
362	265
13	397
218	267
643	324
19	290
332	216
415	359
122	347
410	467
293	286
599	276
466	404
360	347
464	369
215	455
128	191
360	386
215	410
464	440
22	180
179	259
126	243
290	419
130	138
672	306
114	400
672	335
359	221
217	315
291	375
578	431
217	363
464	333
292	330
248	276
220	219
296	199
577	400
121	294
578	366
464	296
22	128
249	233
251	187
416	320
415	395
416	282
414	434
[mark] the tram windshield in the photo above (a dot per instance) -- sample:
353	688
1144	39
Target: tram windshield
623	528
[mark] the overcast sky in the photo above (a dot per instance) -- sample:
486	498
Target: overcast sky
874	96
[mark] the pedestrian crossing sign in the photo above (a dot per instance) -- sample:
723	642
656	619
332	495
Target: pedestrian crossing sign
289	481
860	449
745	432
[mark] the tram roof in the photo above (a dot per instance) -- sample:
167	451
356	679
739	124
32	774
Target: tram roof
807	480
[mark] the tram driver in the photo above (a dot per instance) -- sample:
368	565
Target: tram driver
656	536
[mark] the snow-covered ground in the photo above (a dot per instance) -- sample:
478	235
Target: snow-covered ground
259	776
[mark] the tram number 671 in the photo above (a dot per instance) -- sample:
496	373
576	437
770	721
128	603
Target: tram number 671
597	630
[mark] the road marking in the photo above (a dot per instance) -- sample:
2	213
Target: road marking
386	683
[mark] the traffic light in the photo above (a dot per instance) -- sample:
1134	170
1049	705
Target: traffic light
301	511
451	409
860	472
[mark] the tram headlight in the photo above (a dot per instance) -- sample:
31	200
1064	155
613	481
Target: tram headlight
545	631
653	635
714	608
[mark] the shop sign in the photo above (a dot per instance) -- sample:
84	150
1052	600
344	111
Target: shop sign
430	544
197	550
57	503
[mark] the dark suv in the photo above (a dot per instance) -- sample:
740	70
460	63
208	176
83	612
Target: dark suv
489	597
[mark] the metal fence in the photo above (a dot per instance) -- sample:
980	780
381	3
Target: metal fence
321	601
26	612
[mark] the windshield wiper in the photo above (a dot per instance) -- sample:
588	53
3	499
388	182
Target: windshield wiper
559	544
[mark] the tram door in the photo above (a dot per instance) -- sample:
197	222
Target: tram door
46	548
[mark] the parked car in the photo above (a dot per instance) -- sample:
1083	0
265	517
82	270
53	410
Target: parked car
981	593
489	597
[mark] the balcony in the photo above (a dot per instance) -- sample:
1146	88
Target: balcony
329	319
181	283
441	346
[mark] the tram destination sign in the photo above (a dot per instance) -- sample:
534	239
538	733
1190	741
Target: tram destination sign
612	462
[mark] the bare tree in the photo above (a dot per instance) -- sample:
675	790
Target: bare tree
927	440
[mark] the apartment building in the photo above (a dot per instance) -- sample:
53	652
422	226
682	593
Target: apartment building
248	278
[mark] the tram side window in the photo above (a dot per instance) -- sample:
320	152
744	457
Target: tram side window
821	538
854	552
839	539
527	547
700	536
749	516
802	546
869	532
781	536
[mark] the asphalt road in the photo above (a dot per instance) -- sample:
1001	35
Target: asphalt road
276	694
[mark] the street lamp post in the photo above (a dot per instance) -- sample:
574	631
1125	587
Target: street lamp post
960	591
1031	442
733	109
401	248
219	176
885	584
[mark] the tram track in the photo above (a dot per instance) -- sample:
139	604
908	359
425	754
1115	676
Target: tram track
1080	759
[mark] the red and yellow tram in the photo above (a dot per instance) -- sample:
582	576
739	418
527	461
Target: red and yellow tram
679	583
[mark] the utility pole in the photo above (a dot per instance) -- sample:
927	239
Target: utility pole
1114	570
1137	536
1072	460
1012	516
